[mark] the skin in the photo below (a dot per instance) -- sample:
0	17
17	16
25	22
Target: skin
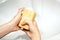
33	31
12	25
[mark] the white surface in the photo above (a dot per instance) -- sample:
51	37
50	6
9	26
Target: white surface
48	17
2	1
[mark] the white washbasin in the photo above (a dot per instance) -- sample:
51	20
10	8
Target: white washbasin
48	17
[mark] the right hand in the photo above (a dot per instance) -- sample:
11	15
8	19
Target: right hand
33	32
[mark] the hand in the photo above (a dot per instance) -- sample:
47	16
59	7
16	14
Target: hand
33	31
12	25
15	21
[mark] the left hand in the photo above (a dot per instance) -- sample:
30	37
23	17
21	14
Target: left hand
15	21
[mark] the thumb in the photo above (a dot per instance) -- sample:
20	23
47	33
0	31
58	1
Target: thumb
30	24
27	22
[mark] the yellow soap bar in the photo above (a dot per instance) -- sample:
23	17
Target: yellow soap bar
27	15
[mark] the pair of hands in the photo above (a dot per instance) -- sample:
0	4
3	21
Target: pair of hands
33	32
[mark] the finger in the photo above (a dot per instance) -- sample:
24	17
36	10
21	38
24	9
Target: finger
19	14
30	24
26	22
21	28
20	11
17	18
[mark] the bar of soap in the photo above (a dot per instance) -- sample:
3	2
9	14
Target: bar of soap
27	15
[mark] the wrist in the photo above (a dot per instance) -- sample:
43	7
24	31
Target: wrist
13	27
36	36
10	28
